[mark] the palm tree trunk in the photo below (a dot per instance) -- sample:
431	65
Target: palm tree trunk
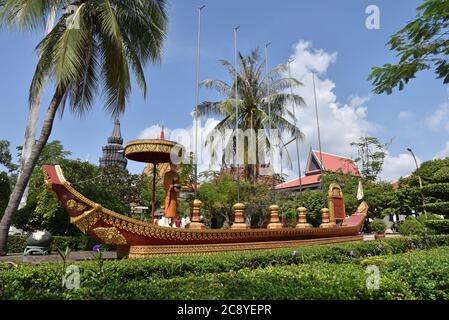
33	116
27	170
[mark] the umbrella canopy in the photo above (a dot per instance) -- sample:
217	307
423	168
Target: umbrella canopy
154	151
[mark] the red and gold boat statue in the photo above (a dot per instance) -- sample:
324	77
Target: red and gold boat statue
135	238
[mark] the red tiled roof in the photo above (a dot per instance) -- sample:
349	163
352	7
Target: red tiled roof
305	181
332	163
336	163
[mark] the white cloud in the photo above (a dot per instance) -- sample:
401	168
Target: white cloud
340	123
405	115
440	118
443	153
185	136
395	167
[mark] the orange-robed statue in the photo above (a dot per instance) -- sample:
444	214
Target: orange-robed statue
171	187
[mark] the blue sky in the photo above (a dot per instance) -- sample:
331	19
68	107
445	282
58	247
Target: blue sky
325	34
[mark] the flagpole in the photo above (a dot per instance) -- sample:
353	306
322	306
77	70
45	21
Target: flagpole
295	122
236	115
273	191
197	95
318	124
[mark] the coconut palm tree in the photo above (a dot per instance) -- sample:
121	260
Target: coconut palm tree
253	99
94	44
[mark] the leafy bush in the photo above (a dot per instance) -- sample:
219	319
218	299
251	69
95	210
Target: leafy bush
261	274
438	226
420	274
378	226
429	216
411	226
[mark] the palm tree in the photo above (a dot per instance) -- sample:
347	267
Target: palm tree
253	99
109	38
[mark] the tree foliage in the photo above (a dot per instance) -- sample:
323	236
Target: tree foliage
252	105
371	155
5	156
420	45
5	191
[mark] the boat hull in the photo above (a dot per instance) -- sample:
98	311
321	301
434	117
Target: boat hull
112	228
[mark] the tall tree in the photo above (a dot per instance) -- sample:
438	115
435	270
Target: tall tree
420	45
253	100
35	107
6	157
94	45
371	156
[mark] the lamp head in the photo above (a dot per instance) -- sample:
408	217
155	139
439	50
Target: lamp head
409	150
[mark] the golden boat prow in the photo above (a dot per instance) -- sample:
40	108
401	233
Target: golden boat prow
135	238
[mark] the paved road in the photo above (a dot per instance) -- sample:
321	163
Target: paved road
73	256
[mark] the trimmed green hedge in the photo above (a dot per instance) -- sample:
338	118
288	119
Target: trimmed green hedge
412	226
17	244
438	226
146	277
438	207
415	275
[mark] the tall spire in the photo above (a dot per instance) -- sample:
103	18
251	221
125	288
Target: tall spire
162	134
113	152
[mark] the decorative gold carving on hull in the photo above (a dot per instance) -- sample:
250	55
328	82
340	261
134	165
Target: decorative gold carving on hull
110	236
89	218
152	251
73	205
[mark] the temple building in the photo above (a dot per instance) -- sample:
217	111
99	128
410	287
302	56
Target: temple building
314	168
113	152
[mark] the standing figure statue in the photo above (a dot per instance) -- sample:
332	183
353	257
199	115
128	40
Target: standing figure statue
172	187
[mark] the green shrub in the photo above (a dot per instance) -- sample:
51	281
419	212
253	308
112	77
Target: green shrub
145	277
438	226
411	226
378	226
429	216
420	274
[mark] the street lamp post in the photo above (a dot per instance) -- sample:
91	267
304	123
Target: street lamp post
419	179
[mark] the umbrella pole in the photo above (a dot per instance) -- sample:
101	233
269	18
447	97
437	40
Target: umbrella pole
154	191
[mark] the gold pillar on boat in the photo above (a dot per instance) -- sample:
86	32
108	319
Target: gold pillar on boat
325	219
195	219
274	218
302	219
239	217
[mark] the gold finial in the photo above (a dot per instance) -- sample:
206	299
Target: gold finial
195	218
274	218
325	220
239	217
302	219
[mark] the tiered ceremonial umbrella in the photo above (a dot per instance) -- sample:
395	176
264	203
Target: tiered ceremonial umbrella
154	151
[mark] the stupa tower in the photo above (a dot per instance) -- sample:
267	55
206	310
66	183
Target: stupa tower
113	152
